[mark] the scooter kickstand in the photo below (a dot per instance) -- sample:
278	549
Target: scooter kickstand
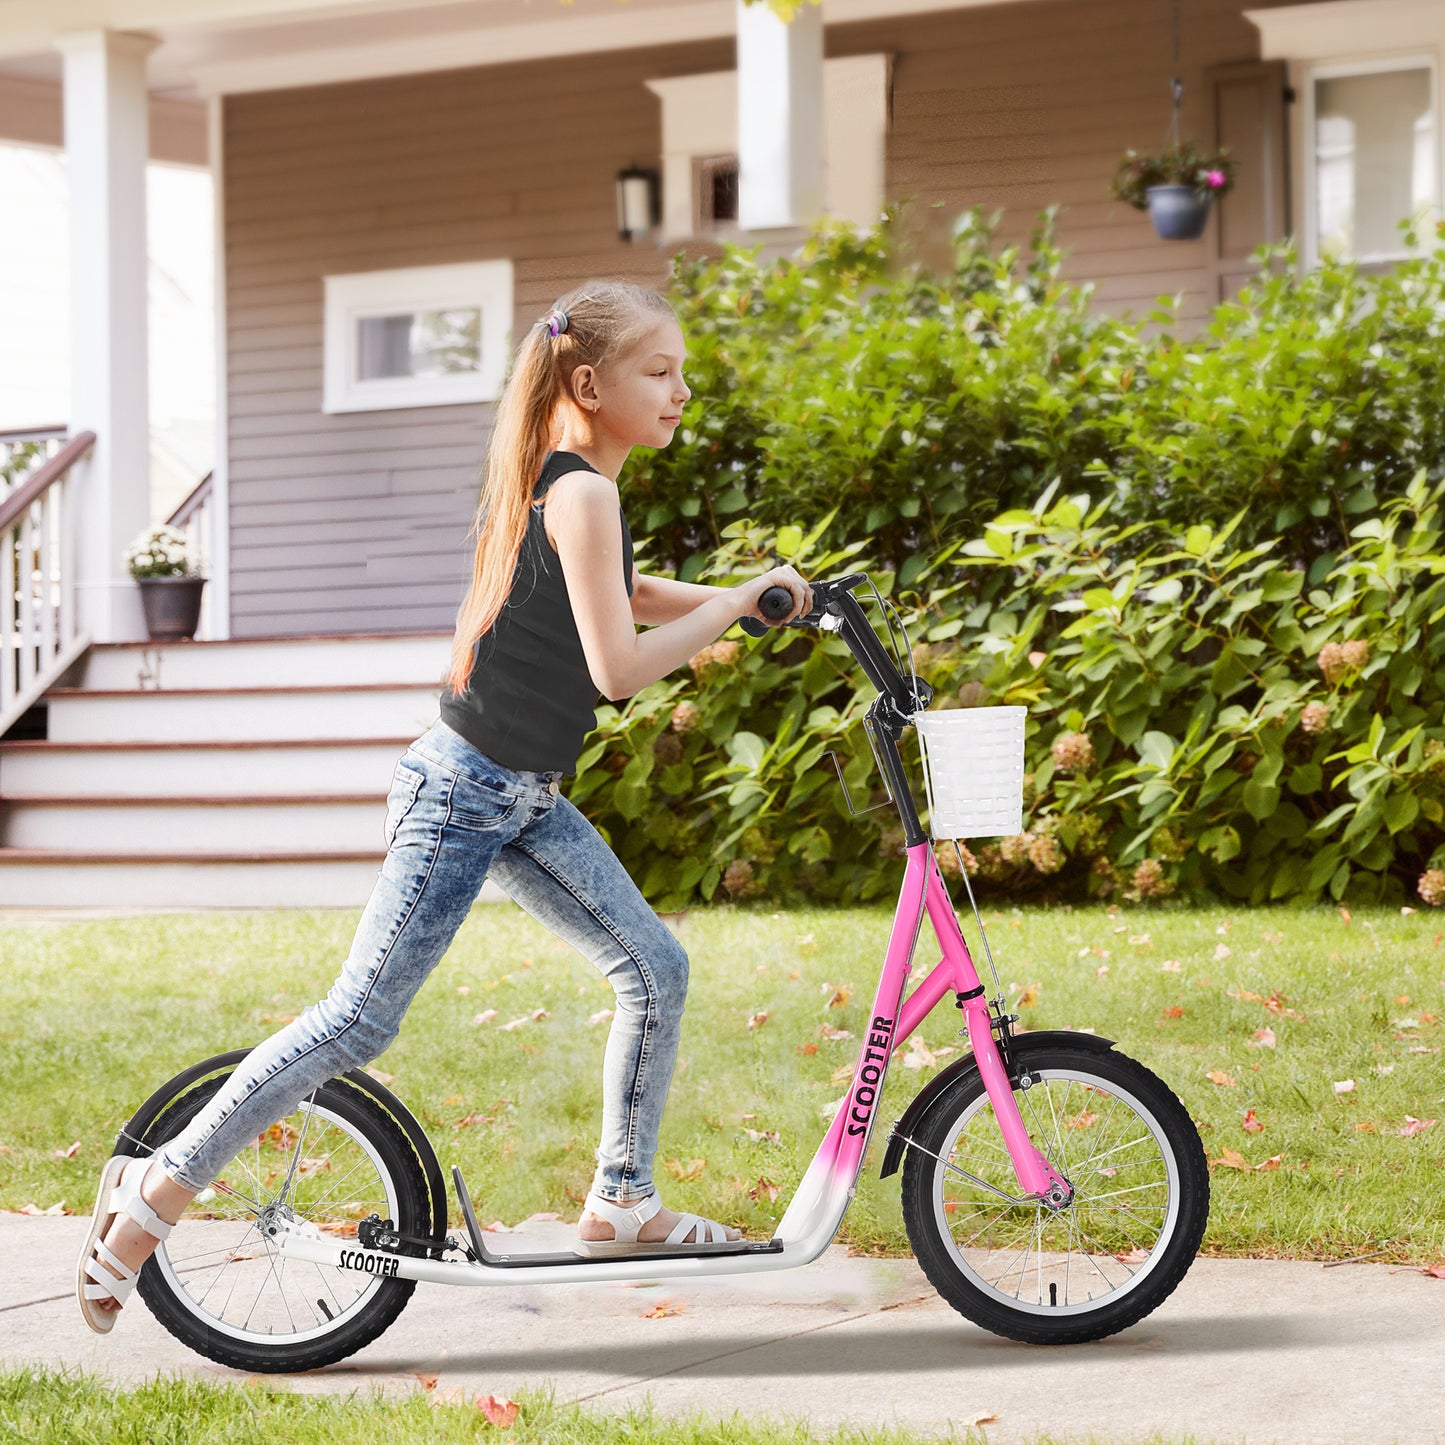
474	1230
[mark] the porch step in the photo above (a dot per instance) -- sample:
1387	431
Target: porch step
226	714
163	770
59	878
418	657
192	826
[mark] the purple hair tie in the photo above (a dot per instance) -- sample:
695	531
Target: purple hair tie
557	322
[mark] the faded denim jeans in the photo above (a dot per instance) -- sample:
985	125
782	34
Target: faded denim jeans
453	818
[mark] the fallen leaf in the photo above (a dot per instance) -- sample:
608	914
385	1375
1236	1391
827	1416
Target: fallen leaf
829	1032
763	1187
841	1073
663	1309
1221	952
1133	1256
426	1381
498	1412
840	996
807	1048
1174	1012
1084	1120
1029	997
691	1169
463	990
1263	1039
1344	1086
1435	1271
806	943
1415	1126
987	1419
1251	1124
760	1136
829	1110
1271	1163
485	1017
1230	1159
497	1227
1219	1077
69	1153
758	1019
600	1017
919	1055
1365	1127
1170	965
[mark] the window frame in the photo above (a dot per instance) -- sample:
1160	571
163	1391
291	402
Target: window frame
1424	58
357	295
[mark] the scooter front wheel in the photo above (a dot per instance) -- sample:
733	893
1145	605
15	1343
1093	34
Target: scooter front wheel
218	1283
1099	1263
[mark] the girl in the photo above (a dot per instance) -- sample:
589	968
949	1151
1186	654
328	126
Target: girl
547	622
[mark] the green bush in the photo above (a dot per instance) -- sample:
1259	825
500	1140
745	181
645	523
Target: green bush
1234	694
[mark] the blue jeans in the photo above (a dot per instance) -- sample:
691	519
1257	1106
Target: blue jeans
454	817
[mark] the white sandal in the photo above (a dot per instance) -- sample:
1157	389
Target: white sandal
626	1221
119	1193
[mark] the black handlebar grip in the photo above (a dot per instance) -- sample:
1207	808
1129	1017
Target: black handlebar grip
776	603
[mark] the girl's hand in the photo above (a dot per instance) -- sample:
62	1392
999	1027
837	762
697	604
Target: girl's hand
788	578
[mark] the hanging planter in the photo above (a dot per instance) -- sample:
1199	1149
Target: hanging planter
1178	185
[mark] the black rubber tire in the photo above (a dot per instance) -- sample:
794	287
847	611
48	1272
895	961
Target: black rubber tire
276	1355
938	1256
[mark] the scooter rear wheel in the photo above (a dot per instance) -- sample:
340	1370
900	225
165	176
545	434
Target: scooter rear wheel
218	1283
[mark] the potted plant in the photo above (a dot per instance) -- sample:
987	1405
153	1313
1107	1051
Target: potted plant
170	590
1175	186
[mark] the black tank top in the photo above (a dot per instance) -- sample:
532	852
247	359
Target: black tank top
530	701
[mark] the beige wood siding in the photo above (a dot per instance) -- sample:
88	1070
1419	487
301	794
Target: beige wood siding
357	522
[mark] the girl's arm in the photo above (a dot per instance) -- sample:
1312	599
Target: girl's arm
661	599
621	660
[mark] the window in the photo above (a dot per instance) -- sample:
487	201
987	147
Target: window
1371	150
716	188
422	336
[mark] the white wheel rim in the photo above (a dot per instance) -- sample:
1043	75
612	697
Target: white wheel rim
1031	1264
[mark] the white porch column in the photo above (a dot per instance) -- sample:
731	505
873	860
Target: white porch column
780	117
106	148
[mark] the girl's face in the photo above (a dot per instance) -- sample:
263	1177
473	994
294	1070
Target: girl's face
641	394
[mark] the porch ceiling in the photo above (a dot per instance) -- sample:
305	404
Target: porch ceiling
223	46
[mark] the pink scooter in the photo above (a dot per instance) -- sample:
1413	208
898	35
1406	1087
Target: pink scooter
1053	1189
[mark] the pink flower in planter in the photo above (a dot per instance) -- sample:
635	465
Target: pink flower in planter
1215	178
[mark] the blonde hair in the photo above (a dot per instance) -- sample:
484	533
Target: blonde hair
605	320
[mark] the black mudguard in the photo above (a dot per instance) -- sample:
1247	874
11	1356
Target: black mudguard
1021	1044
129	1140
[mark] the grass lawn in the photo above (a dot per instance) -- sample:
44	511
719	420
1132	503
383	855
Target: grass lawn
51	1408
1257	1019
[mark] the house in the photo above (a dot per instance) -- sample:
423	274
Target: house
402	186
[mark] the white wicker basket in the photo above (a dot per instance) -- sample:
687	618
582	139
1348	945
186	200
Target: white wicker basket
973	768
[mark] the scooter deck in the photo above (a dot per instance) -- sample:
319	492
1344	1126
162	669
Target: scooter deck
526	1261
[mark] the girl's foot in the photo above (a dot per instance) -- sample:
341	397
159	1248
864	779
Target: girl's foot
593	1227
125	1239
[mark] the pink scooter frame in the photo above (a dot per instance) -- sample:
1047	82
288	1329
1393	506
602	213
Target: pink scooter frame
816	1210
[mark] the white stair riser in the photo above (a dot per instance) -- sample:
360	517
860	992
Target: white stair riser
198	828
201	772
196	885
215	717
302	663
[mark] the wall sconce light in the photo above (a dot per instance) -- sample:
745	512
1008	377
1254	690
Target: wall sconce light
638	209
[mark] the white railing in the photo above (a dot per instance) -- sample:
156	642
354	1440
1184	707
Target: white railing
193	517
39	634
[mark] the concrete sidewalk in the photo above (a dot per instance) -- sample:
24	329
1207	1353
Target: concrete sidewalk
1244	1350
